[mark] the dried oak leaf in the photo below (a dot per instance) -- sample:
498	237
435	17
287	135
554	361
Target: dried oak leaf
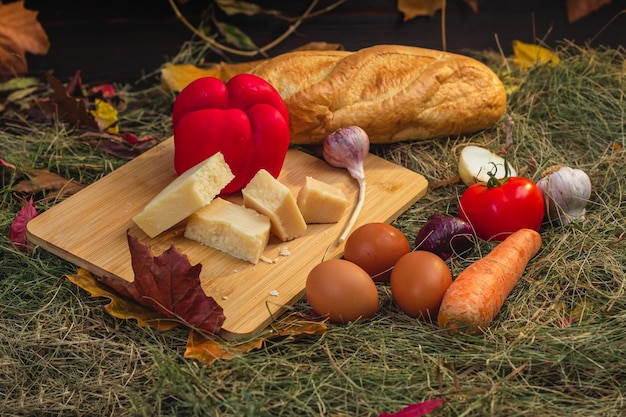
20	32
67	108
169	284
208	350
415	8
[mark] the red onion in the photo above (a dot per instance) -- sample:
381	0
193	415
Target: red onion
445	236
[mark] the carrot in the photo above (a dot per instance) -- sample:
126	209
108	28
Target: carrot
476	296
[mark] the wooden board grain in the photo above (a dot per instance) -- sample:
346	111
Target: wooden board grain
89	229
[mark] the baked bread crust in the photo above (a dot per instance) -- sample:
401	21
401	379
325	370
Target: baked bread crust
394	92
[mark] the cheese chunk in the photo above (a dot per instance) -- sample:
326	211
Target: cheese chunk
268	196
320	202
192	190
236	230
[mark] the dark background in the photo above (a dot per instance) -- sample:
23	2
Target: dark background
122	40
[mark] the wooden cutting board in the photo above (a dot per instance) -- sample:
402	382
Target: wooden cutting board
89	229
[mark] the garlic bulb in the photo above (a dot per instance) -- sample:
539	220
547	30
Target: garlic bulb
566	191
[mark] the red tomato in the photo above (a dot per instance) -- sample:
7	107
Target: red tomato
498	208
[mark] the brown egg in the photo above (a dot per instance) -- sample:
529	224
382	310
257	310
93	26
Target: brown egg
342	291
418	282
376	247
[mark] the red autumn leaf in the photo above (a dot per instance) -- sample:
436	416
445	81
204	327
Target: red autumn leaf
417	410
169	284
17	231
20	32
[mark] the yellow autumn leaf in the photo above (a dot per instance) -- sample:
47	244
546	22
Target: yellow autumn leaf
527	55
120	307
210	349
106	117
176	77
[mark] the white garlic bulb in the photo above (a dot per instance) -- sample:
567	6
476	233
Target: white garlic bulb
566	191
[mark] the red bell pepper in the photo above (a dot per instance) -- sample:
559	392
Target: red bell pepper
245	119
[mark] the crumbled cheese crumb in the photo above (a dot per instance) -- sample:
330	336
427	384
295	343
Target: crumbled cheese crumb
224	297
274	293
284	251
266	259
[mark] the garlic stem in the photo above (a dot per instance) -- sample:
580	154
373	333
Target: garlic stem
355	212
347	148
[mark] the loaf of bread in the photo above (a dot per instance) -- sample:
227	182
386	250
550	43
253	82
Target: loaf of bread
395	93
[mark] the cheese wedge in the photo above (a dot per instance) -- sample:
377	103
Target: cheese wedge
236	230
320	202
268	196
190	191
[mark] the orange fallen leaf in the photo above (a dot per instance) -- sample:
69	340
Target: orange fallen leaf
209	349
119	307
20	32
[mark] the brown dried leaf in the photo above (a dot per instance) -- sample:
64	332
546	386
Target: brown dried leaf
434	185
577	9
170	285
208	349
20	32
40	180
124	146
415	8
69	109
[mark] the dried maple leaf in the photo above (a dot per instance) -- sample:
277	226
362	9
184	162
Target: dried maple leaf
72	110
17	231
20	32
169	284
415	8
208	350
